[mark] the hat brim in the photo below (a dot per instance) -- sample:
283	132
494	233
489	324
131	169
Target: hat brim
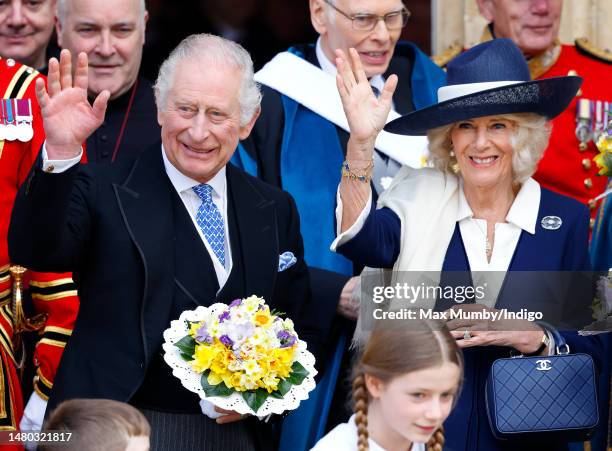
547	97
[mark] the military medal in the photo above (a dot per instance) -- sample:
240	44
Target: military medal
2	120
599	120
24	119
584	133
10	130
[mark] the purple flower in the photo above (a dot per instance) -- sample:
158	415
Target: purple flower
226	340
236	303
287	339
223	316
202	334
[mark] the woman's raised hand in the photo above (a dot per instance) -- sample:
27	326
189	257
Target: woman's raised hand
365	113
68	117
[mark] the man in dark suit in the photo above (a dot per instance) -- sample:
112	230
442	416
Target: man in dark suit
175	229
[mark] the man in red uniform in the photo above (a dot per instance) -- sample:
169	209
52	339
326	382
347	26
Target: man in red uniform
21	135
567	166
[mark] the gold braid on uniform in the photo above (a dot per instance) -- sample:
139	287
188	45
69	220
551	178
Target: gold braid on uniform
451	51
360	406
586	47
436	442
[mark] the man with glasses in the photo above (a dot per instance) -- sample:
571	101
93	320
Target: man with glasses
299	141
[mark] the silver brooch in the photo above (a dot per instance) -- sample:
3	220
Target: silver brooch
551	222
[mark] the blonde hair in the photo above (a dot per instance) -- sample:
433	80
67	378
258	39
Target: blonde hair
384	357
97	424
529	142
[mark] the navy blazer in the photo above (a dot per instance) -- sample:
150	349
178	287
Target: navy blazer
566	249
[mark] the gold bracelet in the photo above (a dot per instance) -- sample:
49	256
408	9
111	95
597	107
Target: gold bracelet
363	175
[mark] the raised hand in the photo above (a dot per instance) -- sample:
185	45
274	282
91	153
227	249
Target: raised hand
365	113
68	118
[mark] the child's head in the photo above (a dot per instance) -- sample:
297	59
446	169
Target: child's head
98	424
408	379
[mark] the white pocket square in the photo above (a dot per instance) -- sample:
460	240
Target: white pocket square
286	260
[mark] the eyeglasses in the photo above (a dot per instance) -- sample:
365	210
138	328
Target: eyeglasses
366	22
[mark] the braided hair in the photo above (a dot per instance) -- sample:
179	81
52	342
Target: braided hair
384	356
360	407
436	442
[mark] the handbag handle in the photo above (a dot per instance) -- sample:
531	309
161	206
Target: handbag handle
561	345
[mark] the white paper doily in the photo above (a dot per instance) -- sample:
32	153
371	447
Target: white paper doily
191	380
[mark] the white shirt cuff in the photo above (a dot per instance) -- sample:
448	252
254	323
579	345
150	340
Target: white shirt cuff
349	234
58	166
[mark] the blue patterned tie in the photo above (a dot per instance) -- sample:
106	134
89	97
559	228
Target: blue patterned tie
210	221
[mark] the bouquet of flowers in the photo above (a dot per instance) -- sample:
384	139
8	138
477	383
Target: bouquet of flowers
241	357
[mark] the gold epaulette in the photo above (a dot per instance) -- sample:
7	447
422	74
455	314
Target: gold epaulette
20	81
452	51
586	47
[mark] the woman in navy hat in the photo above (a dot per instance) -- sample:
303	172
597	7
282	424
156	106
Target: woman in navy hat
476	210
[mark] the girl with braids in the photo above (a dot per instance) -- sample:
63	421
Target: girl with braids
404	386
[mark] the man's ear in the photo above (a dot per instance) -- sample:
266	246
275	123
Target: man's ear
486	8
318	16
245	130
144	28
373	384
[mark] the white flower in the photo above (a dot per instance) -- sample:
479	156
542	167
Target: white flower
251	367
238	332
288	324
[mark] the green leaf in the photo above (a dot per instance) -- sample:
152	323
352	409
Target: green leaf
214	390
283	387
255	398
186	345
298	374
186	357
278	313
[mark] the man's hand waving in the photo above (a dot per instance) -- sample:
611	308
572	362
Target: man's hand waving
68	117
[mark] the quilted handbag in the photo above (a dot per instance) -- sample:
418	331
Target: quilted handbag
544	397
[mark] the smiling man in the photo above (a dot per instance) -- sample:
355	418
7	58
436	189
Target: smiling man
112	33
533	25
175	229
25	29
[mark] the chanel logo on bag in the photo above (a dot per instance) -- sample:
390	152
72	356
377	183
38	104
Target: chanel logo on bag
543	365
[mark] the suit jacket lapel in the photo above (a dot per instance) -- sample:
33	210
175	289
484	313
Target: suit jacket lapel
145	201
257	235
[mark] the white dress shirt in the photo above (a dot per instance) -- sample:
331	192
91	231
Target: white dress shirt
344	438
183	186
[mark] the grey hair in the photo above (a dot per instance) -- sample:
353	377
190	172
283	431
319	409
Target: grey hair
62	11
214	50
528	142
331	12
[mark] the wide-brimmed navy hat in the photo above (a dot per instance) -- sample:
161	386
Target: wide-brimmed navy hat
489	79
